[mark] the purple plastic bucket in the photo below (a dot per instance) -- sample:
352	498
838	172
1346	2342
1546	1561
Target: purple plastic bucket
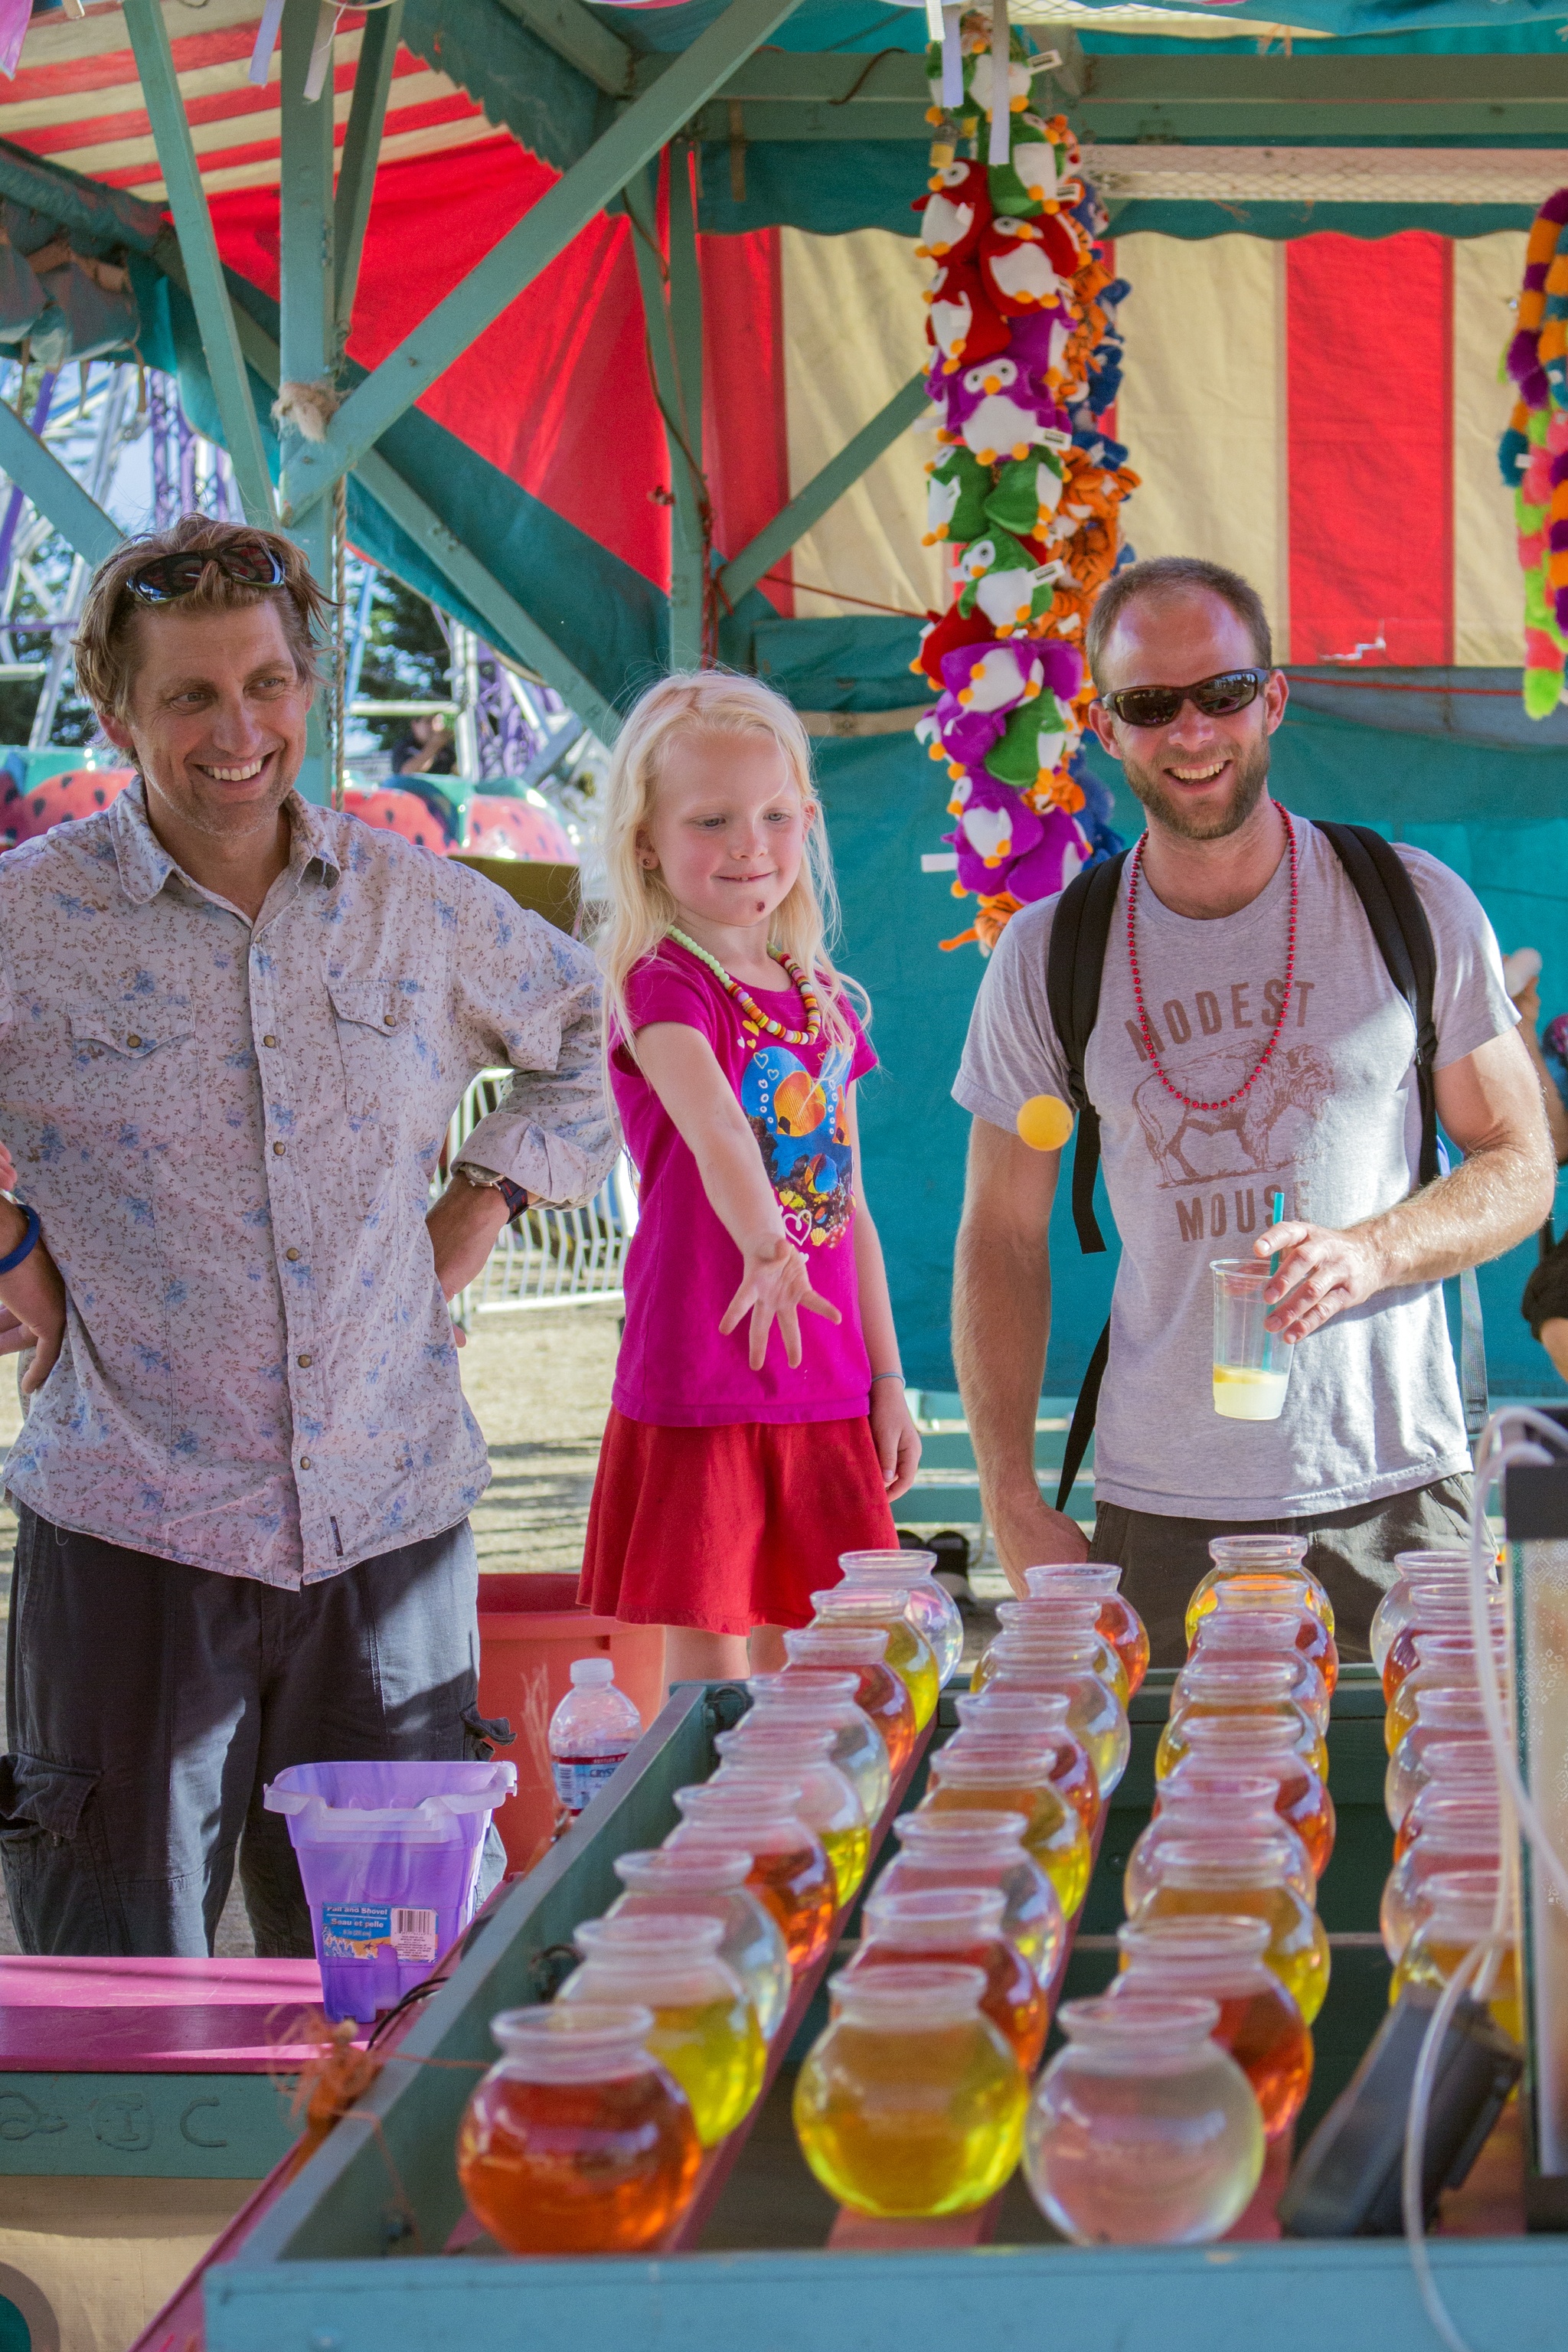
390	1857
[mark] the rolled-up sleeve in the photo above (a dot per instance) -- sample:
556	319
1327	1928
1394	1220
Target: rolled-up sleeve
529	995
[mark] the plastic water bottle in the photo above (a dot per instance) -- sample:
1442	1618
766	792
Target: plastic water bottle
593	1729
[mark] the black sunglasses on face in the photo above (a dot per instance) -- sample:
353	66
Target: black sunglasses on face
169	577
1217	698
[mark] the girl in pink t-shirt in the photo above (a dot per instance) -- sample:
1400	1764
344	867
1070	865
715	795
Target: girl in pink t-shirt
740	1459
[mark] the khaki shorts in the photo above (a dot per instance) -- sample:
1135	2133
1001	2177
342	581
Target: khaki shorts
1350	1552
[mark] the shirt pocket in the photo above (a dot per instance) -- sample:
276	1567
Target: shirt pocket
374	1022
134	1073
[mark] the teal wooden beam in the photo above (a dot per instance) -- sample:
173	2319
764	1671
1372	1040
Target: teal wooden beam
468	574
198	248
99	218
686	550
308	338
847	78
575	34
823	489
688	568
483	591
638	204
543	232
57	494
1304	80
361	145
772	120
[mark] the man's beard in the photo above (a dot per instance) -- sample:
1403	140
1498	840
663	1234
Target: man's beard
1209	825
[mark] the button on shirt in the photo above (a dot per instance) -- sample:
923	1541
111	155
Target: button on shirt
230	1133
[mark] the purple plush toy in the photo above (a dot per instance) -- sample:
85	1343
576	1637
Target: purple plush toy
948	394
1039	342
966	735
1064	667
995	826
995	678
1060	853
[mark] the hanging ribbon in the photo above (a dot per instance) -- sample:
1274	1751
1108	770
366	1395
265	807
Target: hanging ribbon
1001	145
952	58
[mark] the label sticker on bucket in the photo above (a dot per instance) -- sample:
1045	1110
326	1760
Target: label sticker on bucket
378	1931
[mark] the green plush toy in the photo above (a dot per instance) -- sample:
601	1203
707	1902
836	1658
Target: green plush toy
1027	493
999	576
956	492
1031	746
1031	174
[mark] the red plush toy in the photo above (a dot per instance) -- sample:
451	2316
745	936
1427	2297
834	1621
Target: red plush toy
956	211
1021	263
945	636
962	323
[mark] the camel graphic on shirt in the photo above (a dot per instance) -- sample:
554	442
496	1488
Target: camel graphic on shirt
1261	1133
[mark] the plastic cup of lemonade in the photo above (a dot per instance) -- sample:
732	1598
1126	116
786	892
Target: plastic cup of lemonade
1252	1365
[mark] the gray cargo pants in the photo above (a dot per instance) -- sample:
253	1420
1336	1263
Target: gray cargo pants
148	1703
1350	1552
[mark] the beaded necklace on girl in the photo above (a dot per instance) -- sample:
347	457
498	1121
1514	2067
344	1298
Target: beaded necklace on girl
748	1004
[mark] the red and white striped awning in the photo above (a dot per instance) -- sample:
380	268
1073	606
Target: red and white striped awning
1322	415
77	100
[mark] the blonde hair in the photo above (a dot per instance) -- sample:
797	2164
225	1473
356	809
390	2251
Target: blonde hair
638	909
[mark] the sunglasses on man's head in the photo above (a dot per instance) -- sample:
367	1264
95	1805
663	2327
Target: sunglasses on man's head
1217	698
167	578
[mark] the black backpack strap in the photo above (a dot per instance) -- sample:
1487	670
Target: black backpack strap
1083	1413
1381	881
1080	931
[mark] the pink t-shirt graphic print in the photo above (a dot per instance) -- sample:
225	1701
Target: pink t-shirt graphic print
683	1269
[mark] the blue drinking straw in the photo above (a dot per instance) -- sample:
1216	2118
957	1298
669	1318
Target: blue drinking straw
1276	1212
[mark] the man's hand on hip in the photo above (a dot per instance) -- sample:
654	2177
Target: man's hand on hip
463	1227
33	1299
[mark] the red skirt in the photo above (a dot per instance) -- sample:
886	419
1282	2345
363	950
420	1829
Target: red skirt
721	1530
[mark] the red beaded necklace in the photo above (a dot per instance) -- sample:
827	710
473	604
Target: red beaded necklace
1261	1063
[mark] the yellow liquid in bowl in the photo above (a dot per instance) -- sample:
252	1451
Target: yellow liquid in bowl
1054	1831
849	1852
716	2052
910	2125
1298	1949
1312	1747
1432	1963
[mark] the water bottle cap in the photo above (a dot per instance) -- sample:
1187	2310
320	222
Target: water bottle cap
592	1670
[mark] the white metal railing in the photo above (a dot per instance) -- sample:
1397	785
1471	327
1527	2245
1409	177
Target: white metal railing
552	1258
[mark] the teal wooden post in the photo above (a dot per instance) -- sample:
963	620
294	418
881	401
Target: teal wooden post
57	494
307	316
690	549
198	248
362	143
543	232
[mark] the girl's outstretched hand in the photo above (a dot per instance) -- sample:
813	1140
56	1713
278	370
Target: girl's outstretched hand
774	1286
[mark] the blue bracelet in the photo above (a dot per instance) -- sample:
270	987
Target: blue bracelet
29	1243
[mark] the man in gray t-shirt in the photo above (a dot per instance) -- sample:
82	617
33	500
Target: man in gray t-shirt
1225	1068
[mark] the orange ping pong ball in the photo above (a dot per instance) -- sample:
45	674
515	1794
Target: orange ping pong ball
1044	1123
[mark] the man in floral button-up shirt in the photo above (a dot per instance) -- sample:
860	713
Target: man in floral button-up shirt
232	1028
